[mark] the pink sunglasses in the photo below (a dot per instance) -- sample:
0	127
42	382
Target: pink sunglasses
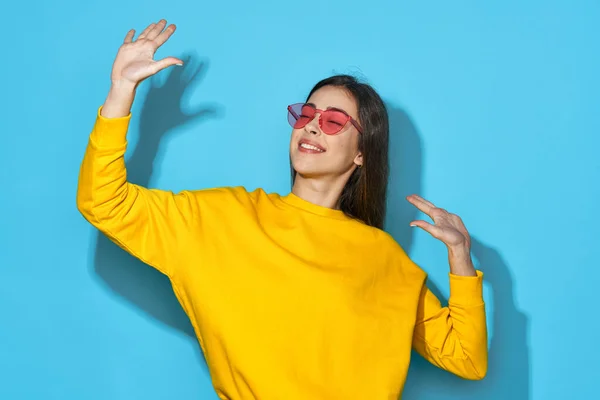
331	121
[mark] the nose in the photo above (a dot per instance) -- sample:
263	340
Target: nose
313	125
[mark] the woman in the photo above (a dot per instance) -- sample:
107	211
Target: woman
301	296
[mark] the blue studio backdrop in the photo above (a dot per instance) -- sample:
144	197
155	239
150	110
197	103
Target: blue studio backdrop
494	116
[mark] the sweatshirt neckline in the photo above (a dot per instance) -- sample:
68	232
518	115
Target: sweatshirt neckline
305	205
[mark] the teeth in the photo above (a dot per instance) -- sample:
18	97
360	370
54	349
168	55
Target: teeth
310	147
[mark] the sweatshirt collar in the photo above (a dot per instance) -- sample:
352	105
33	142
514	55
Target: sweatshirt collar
305	205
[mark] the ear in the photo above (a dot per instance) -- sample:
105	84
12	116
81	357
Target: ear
358	160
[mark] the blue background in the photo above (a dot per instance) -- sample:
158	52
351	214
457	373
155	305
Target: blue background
493	113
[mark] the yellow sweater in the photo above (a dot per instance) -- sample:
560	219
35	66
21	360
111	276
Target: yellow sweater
289	300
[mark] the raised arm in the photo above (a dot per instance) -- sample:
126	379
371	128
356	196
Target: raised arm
453	338
150	224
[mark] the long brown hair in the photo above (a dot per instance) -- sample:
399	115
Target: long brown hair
364	195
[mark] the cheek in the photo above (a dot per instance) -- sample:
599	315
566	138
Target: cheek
295	135
343	149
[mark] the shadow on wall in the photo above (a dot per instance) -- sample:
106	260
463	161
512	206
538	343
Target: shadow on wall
124	274
509	371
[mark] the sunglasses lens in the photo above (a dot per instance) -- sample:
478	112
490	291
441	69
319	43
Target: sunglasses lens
299	115
333	121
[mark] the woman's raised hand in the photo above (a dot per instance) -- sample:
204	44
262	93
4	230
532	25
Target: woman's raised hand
135	58
134	63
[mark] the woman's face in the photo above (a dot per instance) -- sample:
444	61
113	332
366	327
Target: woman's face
337	154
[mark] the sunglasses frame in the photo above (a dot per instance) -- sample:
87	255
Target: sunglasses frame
320	112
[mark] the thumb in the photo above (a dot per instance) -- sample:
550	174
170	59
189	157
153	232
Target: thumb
164	63
427	227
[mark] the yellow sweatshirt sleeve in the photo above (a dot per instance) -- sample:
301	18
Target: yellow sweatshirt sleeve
152	225
454	338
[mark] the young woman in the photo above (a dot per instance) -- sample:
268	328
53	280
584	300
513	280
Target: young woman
300	296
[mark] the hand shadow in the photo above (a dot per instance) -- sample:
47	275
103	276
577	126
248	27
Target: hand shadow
509	370
141	285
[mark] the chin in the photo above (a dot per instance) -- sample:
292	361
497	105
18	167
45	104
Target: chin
313	166
307	169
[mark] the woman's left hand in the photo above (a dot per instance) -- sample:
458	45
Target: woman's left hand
448	228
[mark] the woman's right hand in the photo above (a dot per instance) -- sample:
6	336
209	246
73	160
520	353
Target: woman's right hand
134	63
135	58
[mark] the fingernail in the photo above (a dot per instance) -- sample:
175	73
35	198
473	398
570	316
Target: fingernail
179	64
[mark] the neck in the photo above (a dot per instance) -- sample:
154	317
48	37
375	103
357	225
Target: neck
320	191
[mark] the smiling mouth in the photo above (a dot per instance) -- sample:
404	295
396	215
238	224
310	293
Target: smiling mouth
310	147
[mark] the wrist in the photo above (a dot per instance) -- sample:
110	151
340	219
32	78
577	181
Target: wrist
119	100
459	251
122	85
460	261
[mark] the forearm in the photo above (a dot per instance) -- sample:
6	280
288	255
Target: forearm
455	337
103	189
467	310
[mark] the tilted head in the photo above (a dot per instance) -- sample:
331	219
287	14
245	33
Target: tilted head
342	132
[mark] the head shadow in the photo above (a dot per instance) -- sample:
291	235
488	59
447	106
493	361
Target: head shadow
509	371
160	116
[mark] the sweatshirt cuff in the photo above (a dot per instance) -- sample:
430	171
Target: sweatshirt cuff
466	290
110	132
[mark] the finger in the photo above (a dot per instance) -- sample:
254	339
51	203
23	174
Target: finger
129	36
145	31
427	227
156	30
164	63
422	205
424	200
165	35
